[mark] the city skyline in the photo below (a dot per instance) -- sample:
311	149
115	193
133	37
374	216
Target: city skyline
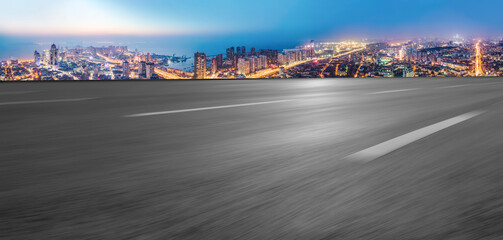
154	39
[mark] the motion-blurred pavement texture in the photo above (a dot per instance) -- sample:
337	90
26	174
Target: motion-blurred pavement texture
264	159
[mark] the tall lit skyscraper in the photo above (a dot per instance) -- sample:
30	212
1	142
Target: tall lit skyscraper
149	58
126	70
150	70
142	70
214	66
36	58
238	51
199	65
54	55
243	66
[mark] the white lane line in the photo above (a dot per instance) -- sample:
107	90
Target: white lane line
393	91
45	101
384	148
456	86
204	109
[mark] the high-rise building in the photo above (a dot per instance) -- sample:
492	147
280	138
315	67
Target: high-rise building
46	56
230	53
199	65
149	58
150	70
243	66
243	50
253	51
126	69
142	70
271	54
54	55
263	61
238	51
220	61
281	59
235	61
36	59
214	66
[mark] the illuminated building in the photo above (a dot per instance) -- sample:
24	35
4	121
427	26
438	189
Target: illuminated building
54	55
263	61
214	66
199	65
253	51
238	51
281	59
36	58
149	58
150	70
271	54
142	70
243	66
126	70
243	50
37	75
46	57
235	61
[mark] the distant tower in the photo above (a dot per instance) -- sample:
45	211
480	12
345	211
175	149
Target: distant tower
230	53
243	50
199	65
149	58
150	70
238	51
142	70
54	55
214	66
36	58
220	61
126	70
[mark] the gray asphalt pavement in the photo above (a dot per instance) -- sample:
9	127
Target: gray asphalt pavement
264	159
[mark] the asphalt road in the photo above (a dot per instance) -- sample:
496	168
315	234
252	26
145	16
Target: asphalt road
265	159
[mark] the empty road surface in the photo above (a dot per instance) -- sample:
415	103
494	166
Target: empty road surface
265	159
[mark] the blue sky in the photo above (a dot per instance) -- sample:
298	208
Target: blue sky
300	19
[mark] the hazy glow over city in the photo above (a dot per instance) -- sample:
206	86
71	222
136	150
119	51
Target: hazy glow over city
297	18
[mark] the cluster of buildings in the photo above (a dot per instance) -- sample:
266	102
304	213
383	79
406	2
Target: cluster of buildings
416	58
238	63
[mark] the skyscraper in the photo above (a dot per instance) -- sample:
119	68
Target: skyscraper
230	53
142	70
253	51
243	66
126	70
150	70
220	61
199	65
54	55
243	50
214	66
238	51
149	58
36	59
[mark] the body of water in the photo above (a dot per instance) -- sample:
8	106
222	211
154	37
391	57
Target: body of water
23	47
